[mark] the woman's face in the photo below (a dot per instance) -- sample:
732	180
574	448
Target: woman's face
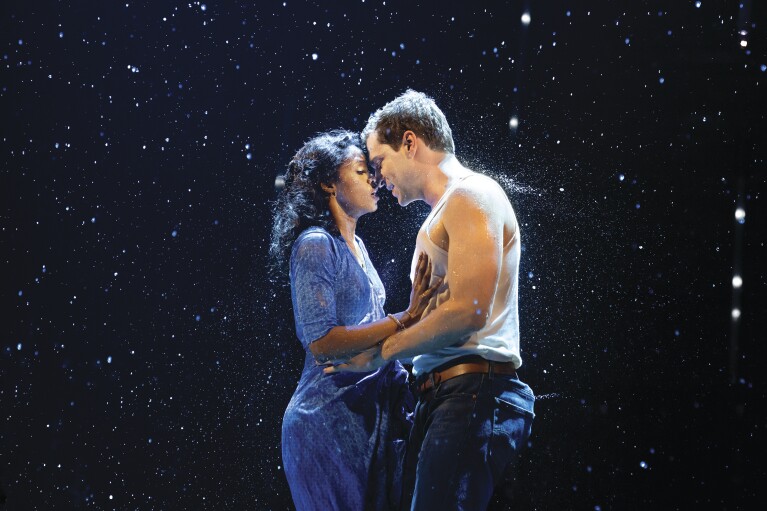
355	192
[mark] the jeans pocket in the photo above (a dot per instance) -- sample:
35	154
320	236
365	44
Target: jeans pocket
512	425
506	407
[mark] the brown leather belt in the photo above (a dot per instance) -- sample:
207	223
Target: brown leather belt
476	365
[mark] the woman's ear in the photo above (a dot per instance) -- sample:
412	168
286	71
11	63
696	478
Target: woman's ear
330	189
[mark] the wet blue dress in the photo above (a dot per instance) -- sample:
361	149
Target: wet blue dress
343	435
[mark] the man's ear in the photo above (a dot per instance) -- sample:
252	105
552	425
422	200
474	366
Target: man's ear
409	140
329	189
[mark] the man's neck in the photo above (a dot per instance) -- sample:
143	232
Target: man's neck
441	177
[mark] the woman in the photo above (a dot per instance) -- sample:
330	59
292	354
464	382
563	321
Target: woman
343	435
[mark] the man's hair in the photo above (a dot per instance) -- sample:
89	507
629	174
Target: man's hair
414	111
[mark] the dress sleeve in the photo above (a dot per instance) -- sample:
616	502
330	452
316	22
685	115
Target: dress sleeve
312	278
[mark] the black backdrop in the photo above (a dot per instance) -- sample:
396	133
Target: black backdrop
146	358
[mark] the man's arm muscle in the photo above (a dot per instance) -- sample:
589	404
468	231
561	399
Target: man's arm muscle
475	232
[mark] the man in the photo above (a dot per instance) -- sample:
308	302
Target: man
473	413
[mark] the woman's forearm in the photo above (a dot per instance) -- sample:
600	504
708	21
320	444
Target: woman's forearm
342	342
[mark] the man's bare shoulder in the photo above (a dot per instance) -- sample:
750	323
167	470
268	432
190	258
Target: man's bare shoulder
478	191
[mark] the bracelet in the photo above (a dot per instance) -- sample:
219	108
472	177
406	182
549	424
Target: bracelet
400	326
409	315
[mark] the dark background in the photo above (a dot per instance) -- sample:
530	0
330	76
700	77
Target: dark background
146	358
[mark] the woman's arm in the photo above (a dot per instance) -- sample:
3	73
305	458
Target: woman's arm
342	342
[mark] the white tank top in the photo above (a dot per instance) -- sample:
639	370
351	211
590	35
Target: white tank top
499	339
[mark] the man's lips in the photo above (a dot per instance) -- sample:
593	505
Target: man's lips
385	184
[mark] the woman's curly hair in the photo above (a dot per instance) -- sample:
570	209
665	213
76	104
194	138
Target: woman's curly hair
302	202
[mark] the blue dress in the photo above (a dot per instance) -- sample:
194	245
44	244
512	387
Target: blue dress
343	435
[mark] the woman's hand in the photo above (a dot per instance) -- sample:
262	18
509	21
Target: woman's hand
421	293
364	362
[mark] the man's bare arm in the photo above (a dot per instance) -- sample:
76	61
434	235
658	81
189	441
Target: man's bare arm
475	230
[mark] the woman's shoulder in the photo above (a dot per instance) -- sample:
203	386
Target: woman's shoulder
314	234
314	240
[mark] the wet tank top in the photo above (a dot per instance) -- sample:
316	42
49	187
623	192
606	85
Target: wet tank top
499	339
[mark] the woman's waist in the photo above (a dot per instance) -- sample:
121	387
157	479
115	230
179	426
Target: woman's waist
314	377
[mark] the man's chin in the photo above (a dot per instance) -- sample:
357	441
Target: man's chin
402	201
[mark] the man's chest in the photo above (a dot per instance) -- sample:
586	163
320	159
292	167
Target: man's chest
436	232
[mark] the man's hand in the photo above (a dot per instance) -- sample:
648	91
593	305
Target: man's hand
364	362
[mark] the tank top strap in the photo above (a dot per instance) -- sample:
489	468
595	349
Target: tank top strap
442	200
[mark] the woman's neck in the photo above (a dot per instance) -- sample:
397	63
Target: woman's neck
347	225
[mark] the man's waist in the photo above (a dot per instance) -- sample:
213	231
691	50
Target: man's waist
497	350
468	364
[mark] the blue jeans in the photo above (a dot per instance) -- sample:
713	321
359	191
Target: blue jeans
467	432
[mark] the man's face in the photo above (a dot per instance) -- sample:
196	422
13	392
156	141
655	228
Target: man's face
392	169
